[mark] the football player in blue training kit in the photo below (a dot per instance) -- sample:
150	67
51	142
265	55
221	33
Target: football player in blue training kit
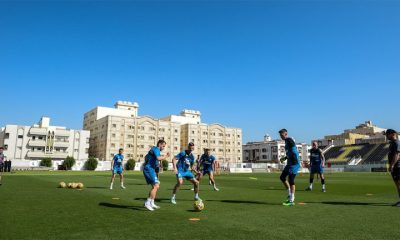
207	163
117	168
394	159
152	161
292	166
317	164
183	164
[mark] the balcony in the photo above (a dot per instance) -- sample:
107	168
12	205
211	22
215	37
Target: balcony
38	131
62	133
41	154
36	143
61	144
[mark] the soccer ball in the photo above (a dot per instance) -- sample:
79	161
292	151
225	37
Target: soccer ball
69	185
79	185
62	185
74	185
198	205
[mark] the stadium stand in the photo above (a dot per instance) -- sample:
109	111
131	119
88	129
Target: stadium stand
369	153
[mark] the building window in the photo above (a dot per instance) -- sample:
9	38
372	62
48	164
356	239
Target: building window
114	125
264	150
20	136
7	135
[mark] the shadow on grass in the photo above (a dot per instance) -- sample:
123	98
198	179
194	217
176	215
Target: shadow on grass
243	202
112	205
98	187
353	203
156	200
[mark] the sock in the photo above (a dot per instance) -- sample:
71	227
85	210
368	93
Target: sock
173	195
323	186
148	201
112	183
292	197
289	192
196	195
152	201
122	183
310	186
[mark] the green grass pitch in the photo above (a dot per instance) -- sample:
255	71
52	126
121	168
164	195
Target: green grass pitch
356	206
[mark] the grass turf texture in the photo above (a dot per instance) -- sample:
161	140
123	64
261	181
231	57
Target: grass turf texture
32	207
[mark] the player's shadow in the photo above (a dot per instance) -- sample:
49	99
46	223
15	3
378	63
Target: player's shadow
156	200
354	203
97	187
112	205
283	189
243	202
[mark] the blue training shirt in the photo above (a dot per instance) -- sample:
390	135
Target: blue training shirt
185	161
207	162
316	157
151	158
292	153
118	158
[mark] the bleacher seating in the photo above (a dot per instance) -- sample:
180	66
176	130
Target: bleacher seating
379	155
370	153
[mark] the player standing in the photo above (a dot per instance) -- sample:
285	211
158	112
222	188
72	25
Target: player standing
393	157
292	166
317	164
117	168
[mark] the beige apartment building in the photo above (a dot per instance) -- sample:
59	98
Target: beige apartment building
122	127
225	143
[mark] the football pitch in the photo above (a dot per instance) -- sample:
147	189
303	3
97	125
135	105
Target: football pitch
248	206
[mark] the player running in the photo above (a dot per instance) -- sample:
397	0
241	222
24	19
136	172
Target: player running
152	162
117	168
292	166
393	157
183	164
317	164
208	163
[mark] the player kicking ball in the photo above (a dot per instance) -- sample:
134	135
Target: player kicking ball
117	168
152	162
292	166
183	164
208	163
317	164
393	157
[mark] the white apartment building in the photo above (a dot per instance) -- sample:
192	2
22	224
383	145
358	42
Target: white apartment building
270	151
44	141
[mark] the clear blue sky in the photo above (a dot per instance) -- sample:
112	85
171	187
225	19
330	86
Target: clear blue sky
314	67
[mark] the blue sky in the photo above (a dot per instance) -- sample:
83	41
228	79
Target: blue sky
314	67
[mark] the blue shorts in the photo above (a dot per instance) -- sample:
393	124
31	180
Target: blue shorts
317	169
292	169
188	175
207	171
150	176
117	170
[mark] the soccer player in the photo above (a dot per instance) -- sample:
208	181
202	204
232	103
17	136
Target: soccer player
152	162
292	166
183	163
208	163
117	168
317	164
2	159
393	157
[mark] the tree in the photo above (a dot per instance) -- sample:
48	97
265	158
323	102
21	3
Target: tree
68	163
91	164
